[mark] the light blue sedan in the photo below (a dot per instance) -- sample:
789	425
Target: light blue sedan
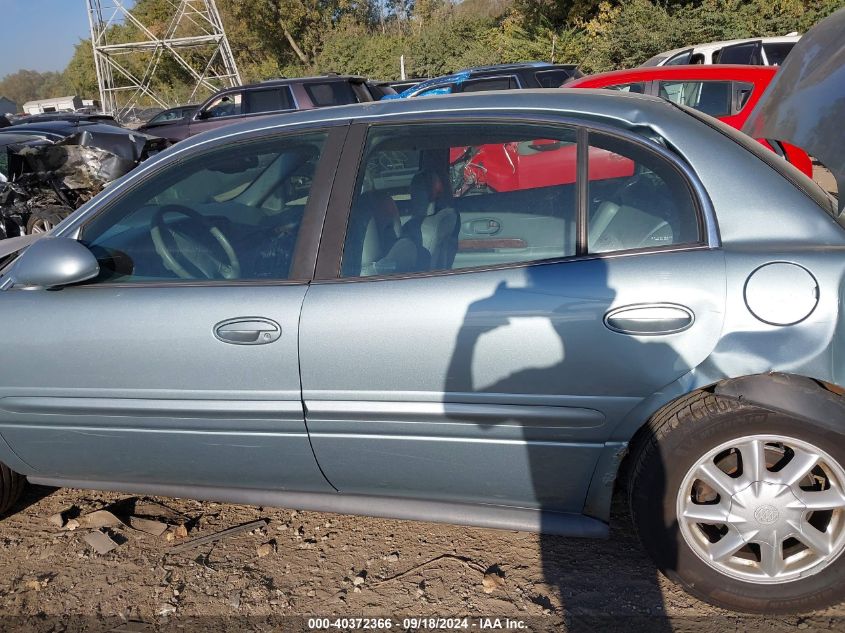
331	310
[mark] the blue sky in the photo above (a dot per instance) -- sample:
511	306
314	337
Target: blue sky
40	34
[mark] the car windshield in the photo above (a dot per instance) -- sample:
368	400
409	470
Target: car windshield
799	180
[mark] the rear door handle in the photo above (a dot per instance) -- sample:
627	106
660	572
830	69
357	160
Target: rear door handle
248	331
649	319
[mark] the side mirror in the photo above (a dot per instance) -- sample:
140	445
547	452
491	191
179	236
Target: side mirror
54	261
201	115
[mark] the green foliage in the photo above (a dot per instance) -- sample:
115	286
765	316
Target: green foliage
272	38
28	85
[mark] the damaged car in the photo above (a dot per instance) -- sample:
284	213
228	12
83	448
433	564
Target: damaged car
49	169
313	311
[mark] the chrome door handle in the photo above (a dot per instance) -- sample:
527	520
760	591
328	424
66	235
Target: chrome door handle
248	331
649	319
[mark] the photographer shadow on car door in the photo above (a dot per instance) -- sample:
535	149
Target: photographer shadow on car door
557	314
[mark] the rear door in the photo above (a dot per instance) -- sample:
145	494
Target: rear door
498	378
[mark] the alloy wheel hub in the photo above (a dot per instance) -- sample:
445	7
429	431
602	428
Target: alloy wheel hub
764	509
766	512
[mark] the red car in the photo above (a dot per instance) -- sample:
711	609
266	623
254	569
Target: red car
727	92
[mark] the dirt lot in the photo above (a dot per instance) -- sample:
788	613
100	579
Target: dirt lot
315	564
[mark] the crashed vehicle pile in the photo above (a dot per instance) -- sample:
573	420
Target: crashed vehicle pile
47	170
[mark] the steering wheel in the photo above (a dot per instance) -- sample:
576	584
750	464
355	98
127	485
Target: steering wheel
168	241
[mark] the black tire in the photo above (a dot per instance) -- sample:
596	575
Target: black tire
668	447
45	219
11	487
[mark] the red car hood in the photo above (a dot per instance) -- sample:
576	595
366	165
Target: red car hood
805	102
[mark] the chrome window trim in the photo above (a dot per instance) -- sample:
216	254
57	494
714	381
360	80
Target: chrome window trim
675	248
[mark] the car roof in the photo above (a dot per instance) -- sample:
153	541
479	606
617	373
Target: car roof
737	72
516	66
698	48
584	103
286	81
181	107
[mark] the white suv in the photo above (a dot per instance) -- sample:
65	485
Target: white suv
756	51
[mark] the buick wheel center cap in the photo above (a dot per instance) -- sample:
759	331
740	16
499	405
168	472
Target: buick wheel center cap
766	514
764	511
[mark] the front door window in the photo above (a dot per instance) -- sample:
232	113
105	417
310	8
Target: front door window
227	105
230	214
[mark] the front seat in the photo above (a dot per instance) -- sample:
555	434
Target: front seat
376	247
433	227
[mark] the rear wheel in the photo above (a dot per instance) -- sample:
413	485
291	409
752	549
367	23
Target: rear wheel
742	506
11	487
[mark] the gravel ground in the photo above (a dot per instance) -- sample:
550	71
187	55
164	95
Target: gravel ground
314	564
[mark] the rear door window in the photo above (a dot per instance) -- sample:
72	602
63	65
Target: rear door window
490	83
637	87
710	97
748	53
776	52
646	205
452	196
436	197
331	93
269	100
552	78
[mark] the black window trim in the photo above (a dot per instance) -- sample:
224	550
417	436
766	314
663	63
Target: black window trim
307	244
330	256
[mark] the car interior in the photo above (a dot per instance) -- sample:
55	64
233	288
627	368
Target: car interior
415	213
233	214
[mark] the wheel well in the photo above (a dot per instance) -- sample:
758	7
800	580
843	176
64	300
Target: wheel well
787	393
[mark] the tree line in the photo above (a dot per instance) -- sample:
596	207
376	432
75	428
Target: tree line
289	38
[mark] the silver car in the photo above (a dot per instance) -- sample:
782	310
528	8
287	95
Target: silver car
347	310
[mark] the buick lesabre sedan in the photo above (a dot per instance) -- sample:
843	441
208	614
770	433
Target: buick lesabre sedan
325	311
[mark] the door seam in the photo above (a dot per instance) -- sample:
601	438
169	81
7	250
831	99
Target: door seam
302	392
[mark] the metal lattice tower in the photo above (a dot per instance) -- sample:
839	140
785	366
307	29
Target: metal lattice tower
193	39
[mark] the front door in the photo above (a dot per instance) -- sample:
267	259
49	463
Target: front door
474	348
179	363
